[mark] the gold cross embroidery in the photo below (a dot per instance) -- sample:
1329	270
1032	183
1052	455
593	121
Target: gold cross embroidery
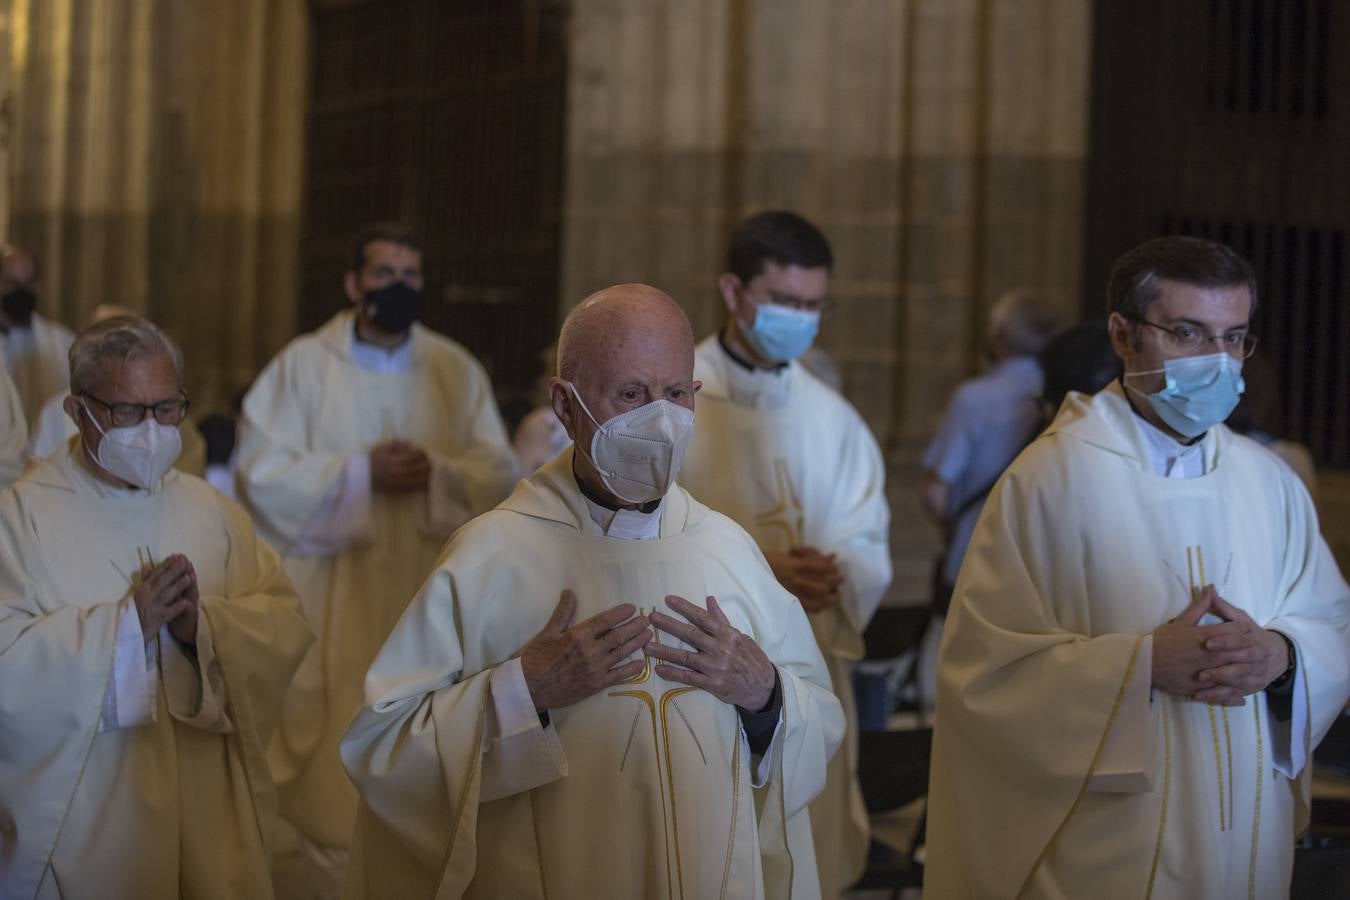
787	513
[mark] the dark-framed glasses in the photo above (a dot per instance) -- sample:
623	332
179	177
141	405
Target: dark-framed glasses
1189	339
129	415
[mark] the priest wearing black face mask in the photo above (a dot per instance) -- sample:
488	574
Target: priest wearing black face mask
362	446
33	348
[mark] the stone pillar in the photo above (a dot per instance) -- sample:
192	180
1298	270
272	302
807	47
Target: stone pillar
155	161
940	144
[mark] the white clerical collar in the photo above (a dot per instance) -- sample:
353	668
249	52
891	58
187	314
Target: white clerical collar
80	473
626	524
1169	457
753	387
374	358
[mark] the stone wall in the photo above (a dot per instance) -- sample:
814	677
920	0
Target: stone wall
154	160
939	143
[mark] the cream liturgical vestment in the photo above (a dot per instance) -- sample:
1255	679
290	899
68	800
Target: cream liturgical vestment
96	799
647	789
13	432
355	556
37	359
1056	771
793	463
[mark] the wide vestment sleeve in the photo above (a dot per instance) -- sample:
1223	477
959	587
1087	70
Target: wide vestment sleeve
1315	613
858	532
482	470
811	732
1025	699
415	753
251	639
281	477
55	660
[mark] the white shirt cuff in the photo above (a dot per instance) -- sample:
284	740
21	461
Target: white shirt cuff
129	700
1288	740
511	700
1127	761
344	516
761	767
519	754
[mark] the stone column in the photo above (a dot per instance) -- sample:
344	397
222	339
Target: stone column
940	144
155	161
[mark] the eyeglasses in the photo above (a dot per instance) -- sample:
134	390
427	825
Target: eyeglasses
129	415
1189	339
797	303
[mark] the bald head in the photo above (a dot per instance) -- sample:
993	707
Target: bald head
621	348
619	323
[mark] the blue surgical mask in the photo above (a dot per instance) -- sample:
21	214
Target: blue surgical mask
782	334
1200	391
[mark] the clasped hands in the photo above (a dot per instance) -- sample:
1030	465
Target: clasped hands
1217	664
809	575
565	663
166	594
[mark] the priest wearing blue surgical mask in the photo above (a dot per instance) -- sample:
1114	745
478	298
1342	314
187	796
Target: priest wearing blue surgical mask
1149	635
601	691
791	461
148	638
362	447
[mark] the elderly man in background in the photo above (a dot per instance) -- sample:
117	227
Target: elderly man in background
146	638
362	447
53	427
32	347
601	691
792	462
989	420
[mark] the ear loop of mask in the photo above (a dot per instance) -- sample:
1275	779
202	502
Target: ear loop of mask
585	451
99	428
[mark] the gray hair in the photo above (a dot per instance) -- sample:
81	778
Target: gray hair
119	339
1024	321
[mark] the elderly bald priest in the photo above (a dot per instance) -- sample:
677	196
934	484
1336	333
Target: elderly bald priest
601	691
146	638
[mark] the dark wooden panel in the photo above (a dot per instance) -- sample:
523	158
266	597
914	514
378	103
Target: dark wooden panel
1230	119
449	116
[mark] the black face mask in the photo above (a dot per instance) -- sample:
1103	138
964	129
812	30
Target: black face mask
18	304
393	309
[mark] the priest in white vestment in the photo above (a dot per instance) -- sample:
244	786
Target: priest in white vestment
601	691
1149	635
32	347
146	639
792	462
362	447
13	432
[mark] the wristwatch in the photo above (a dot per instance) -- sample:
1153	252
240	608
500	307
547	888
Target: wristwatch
1287	676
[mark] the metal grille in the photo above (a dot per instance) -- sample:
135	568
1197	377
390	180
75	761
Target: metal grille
1303	321
1268	56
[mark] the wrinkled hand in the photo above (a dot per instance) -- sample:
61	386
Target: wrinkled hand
564	665
725	662
809	575
1188	658
167	594
398	467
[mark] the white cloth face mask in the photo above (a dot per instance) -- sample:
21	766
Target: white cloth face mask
639	453
141	454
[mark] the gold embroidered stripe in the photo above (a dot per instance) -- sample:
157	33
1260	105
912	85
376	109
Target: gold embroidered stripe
1167	790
